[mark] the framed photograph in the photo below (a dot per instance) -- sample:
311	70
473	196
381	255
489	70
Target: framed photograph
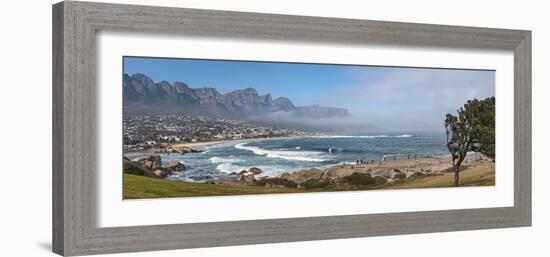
183	128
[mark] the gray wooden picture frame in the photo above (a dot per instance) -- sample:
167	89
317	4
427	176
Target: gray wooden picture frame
75	25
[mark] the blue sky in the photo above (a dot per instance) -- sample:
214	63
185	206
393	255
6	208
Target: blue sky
392	97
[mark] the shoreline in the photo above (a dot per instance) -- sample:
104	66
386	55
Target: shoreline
381	172
200	146
477	174
434	164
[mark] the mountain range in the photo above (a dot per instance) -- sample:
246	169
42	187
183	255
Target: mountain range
143	96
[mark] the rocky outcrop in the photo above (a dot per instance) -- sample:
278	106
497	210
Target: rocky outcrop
252	171
364	174
175	166
246	179
151	167
131	167
382	172
339	171
388	171
302	176
372	173
255	171
150	163
162	172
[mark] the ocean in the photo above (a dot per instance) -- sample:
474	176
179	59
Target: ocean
275	156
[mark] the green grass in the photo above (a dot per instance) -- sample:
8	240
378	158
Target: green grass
139	187
483	175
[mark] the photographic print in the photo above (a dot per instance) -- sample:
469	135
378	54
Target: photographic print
197	127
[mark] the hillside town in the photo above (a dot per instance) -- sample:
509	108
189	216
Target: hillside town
146	131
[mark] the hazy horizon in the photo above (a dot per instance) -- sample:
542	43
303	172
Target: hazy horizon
380	98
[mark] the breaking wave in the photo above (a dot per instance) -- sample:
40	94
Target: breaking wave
226	165
373	136
305	156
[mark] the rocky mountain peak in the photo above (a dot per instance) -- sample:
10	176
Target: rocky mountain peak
284	104
141	78
142	95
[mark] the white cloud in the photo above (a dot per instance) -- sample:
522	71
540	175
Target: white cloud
410	99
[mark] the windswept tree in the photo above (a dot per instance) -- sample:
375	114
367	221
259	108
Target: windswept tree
472	131
484	133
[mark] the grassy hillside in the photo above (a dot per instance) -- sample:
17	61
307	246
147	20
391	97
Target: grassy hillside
137	187
482	175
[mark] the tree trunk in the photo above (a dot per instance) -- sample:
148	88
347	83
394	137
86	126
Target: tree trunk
457	169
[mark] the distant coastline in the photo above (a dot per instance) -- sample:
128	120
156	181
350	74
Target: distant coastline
199	146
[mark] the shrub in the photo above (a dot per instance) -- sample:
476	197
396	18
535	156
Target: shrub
380	180
315	183
276	181
291	184
399	176
360	179
418	175
261	182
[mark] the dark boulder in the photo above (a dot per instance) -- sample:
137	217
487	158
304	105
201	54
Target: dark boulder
175	166
162	172
237	173
255	171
